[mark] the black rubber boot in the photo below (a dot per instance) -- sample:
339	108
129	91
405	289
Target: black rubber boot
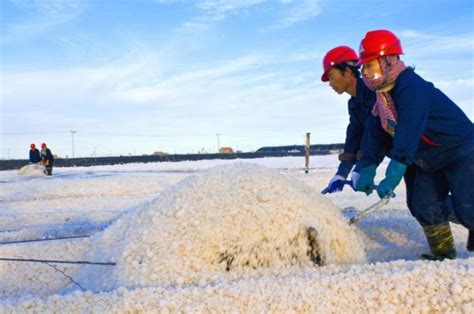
470	241
441	242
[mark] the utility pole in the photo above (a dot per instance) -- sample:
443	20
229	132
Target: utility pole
72	138
307	152
218	145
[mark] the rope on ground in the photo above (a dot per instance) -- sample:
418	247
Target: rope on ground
30	260
50	239
67	276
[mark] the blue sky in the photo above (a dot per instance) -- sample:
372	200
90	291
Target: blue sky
141	76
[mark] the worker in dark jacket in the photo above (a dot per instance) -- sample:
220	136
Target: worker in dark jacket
424	128
34	154
339	66
341	71
47	159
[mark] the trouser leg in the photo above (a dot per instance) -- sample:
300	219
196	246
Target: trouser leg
461	181
409	179
429	194
460	176
427	205
446	207
470	241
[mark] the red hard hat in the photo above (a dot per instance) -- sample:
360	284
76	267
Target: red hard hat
377	44
32	146
43	145
337	56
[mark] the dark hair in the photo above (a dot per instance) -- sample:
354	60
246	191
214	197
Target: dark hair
344	65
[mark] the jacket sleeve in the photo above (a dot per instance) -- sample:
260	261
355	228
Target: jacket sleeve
413	103
354	134
344	168
49	156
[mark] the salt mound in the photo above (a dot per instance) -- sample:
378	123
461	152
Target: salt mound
32	170
229	218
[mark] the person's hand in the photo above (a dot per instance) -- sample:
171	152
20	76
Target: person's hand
363	181
354	178
336	184
393	176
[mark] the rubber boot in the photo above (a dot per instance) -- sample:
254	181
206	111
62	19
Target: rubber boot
470	241
441	242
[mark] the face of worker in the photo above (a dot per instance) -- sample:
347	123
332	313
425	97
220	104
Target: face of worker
371	70
338	80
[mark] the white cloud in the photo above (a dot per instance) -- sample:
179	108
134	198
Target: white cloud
234	96
215	11
419	43
299	11
43	15
226	6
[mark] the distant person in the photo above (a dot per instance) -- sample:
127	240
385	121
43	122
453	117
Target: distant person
34	154
47	159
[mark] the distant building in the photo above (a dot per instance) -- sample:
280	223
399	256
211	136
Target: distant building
159	153
319	149
226	150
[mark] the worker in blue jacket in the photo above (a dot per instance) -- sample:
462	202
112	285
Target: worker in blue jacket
34	154
341	71
339	66
423	128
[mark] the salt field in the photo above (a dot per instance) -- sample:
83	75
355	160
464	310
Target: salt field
217	236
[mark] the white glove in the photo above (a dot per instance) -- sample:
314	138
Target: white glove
336	184
336	178
354	178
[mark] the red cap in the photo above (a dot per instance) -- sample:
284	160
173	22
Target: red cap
32	146
337	56
43	145
377	44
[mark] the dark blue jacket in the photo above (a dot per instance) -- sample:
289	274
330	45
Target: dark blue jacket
432	130
359	110
35	156
46	155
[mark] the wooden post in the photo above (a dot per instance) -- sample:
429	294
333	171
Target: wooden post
307	150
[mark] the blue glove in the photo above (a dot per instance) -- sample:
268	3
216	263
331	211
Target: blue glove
363	181
336	184
393	176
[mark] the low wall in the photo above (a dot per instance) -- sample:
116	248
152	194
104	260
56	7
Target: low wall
97	161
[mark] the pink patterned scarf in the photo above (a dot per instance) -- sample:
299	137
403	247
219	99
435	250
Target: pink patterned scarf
384	106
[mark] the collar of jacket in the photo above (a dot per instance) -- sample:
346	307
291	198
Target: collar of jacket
361	91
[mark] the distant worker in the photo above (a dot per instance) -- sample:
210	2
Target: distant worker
47	159
34	154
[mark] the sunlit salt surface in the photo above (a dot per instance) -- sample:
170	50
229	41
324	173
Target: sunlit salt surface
191	237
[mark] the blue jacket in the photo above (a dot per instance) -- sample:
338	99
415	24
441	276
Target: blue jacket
359	110
47	156
35	156
432	130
